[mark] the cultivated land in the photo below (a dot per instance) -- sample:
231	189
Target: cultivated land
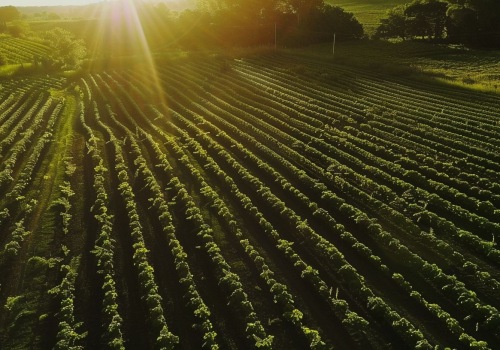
18	50
448	64
275	200
368	12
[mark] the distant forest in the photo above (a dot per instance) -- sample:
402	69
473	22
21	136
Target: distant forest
470	22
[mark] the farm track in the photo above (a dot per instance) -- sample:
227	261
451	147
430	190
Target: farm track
275	202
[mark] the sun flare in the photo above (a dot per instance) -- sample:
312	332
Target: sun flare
119	34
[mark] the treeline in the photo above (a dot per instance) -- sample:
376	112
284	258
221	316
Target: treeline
7	14
225	24
297	22
12	15
469	22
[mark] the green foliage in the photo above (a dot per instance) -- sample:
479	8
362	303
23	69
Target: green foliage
420	18
333	19
474	22
290	23
7	14
270	147
12	302
19	29
12	247
66	51
3	59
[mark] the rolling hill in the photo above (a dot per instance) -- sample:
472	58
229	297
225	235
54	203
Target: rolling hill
368	12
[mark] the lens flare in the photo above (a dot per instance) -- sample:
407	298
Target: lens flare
117	38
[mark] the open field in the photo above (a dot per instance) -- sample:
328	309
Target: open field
476	70
277	200
368	12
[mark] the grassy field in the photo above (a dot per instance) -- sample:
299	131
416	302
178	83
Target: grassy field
368	12
263	199
451	65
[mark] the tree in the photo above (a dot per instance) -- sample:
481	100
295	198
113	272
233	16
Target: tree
333	19
474	22
255	22
394	26
19	29
67	52
420	18
426	18
53	16
303	8
470	22
7	14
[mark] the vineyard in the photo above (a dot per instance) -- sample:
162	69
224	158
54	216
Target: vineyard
17	50
276	201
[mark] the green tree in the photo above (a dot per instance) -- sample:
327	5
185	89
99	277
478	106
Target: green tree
394	26
240	12
19	29
303	8
470	22
474	22
53	16
426	18
67	52
7	14
333	19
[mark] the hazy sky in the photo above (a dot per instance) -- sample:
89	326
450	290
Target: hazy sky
45	2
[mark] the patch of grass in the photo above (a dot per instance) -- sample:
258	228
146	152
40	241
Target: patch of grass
368	12
10	70
454	65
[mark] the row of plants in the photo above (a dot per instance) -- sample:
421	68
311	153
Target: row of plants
327	101
336	229
145	271
24	178
11	128
69	330
161	208
331	190
104	246
423	99
246	128
280	292
322	246
486	247
237	298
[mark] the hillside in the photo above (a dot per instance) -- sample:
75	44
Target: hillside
368	12
450	64
20	50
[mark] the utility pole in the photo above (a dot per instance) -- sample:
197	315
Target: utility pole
333	50
275	37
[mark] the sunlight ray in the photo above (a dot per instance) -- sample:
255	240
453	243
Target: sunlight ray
136	28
